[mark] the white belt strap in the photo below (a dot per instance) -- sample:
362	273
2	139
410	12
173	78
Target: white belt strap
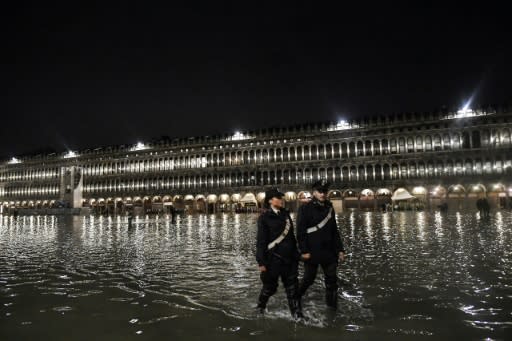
282	236
321	224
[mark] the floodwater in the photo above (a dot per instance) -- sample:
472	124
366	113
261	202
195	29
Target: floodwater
408	275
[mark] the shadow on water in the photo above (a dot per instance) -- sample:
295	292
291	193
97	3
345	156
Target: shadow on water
408	275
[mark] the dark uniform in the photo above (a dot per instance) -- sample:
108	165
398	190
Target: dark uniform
324	245
281	260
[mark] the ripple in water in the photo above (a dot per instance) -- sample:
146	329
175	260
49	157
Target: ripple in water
407	275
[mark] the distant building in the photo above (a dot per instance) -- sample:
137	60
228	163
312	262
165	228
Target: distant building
437	157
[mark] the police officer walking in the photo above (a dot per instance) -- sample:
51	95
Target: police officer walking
276	253
320	242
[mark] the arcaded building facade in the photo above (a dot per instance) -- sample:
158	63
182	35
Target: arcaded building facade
437	157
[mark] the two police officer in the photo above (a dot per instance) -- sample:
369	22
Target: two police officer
319	245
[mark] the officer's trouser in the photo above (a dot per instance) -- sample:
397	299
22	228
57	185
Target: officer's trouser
288	272
330	280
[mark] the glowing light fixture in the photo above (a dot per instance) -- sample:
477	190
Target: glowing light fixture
341	125
139	146
70	154
237	136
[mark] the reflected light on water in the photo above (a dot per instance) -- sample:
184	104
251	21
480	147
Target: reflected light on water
420	223
406	271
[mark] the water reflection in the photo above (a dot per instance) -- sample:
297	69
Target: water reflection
406	274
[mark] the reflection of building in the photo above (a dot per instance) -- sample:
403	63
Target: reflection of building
438	157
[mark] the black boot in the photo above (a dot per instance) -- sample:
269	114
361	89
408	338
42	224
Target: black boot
262	303
331	299
294	301
295	308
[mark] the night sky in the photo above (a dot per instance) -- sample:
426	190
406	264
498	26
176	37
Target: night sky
74	78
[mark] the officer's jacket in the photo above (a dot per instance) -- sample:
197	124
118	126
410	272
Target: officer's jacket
324	244
271	226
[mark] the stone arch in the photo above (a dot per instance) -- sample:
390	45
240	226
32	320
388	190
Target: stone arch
291	201
350	192
505	137
383	191
366	174
336	198
456	140
110	204
383	198
367	192
351	149
360	148
312	151
438	192
367	199
137	202
353	173
178	202
447	141
420	192
456	196
419	143
212	199
457	188
248	201
321	152
350	198
436	142
146	203
304	196
198	203
497	188
477	188
476	140
335	194
224	198
235	198
466	140
497	194
118	204
344	150
378	172
368	148
336	150
260	198
386	172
